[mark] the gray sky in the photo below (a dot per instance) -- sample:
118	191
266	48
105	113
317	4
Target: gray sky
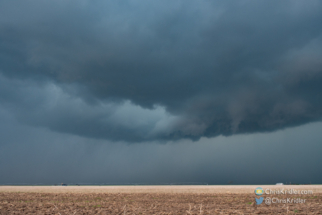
160	91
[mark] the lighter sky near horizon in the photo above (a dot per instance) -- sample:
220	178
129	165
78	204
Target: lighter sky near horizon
158	92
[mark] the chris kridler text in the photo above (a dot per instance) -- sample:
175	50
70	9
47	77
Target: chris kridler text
288	191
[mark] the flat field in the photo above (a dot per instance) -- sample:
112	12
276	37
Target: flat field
120	200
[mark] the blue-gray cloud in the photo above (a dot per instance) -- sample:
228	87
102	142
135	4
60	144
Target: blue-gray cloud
142	71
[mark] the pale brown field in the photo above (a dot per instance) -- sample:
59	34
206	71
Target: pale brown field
155	189
151	200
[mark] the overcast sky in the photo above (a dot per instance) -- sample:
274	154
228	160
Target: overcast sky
160	91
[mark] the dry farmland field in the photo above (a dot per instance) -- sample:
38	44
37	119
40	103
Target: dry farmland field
152	200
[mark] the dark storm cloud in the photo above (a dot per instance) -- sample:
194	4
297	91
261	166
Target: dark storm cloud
138	71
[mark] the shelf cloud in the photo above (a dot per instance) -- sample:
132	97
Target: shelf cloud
161	70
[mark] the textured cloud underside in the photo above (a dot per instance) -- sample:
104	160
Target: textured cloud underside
135	72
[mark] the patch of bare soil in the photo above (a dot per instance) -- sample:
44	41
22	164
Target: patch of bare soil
150	203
